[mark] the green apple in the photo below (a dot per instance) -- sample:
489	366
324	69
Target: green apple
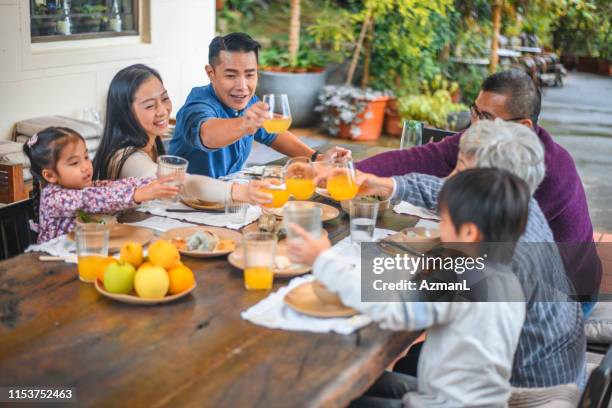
119	278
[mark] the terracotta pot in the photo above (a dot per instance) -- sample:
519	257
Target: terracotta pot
587	64
393	122
371	127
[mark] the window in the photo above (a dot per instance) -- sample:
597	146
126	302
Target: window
61	20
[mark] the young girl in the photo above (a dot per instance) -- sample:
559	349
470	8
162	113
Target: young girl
62	173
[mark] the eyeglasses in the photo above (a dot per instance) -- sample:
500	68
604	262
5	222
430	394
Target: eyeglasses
477	113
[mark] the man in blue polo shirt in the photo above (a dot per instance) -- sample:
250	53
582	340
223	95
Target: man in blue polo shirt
216	127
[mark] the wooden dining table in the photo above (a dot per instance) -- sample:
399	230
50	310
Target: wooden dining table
58	331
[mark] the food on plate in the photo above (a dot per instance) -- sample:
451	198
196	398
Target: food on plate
225	245
202	241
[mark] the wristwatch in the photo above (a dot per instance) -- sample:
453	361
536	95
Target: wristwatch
314	155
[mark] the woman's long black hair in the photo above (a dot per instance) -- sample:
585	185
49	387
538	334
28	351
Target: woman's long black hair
121	128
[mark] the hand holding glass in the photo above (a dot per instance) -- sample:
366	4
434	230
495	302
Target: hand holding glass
299	177
279	113
341	183
274	175
172	166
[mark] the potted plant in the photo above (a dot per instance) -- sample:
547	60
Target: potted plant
352	113
434	105
297	68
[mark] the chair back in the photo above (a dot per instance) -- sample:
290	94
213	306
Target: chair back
435	135
599	388
15	232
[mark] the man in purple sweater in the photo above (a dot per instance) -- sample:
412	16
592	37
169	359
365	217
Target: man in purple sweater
513	96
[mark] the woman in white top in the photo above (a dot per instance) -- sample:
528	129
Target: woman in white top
137	112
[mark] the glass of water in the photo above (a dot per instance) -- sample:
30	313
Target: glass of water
363	216
236	211
172	166
305	214
412	134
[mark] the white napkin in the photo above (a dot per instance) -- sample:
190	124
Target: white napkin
213	219
60	246
272	312
161	224
409	209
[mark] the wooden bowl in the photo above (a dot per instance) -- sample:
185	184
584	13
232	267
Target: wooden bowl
325	295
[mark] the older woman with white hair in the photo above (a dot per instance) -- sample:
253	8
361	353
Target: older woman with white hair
552	347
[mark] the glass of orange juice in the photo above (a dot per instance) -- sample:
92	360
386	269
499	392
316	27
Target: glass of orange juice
341	183
92	249
275	176
259	254
299	178
279	114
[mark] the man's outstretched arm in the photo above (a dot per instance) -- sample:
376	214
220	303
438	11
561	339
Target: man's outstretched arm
437	159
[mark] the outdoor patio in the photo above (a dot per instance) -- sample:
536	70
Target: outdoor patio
306	203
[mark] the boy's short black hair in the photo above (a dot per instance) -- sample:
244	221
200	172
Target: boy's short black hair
495	200
524	96
233	42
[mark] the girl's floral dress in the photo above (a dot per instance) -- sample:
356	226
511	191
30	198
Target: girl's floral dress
59	205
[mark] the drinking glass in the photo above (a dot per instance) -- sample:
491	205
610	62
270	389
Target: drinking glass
299	177
259	254
92	249
172	166
363	216
275	176
412	134
235	212
341	183
279	113
305	214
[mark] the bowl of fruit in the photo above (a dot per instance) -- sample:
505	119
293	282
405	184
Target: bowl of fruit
160	278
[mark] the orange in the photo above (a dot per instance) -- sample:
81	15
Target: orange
101	267
131	252
181	279
163	253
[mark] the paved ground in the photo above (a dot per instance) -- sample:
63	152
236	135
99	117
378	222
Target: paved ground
579	116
